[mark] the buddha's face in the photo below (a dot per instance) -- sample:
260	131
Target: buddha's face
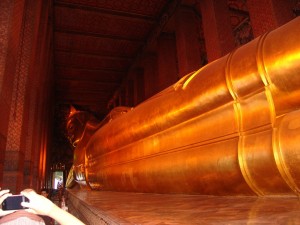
75	127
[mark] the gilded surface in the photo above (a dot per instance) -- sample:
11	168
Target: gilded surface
230	128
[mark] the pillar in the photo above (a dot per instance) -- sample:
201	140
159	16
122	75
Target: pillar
266	15
122	97
11	18
137	76
166	61
149	64
218	34
39	73
188	42
20	24
129	95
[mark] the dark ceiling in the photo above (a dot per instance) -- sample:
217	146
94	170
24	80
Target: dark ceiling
95	44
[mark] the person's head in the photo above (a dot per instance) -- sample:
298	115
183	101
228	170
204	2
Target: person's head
21	217
44	193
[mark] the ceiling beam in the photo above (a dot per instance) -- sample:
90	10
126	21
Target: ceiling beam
86	82
108	12
89	68
82	97
121	72
97	35
97	55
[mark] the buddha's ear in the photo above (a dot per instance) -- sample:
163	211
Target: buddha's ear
72	110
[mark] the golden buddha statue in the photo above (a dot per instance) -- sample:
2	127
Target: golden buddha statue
230	128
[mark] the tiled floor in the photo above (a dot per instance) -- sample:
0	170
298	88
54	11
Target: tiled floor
135	208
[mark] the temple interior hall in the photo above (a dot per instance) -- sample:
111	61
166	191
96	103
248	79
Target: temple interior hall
153	111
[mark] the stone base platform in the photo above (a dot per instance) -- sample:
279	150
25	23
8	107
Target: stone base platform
96	207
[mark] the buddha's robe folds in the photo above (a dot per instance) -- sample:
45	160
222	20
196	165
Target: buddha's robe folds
230	128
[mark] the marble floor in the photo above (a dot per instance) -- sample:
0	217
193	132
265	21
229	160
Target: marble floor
138	208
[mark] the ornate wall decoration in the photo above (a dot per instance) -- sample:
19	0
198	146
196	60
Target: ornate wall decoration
296	9
20	82
240	22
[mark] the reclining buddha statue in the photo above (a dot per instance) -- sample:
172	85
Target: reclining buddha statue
230	128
